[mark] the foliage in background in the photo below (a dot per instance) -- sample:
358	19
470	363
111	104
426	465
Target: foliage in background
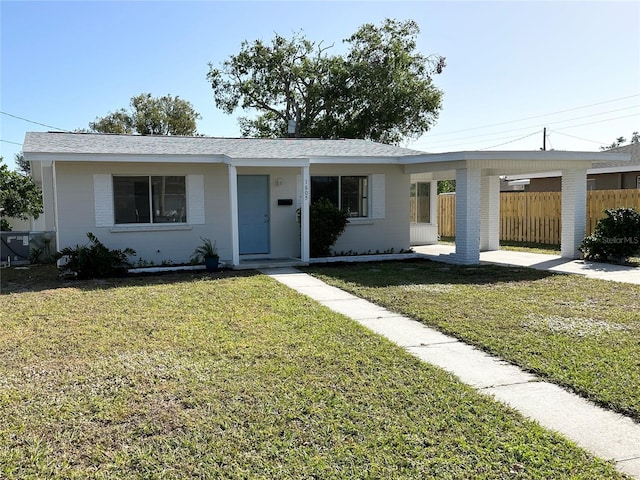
381	89
618	142
150	116
24	166
19	196
446	186
326	224
615	238
94	260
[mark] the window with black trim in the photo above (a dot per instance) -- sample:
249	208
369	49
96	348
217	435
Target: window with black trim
149	199
350	193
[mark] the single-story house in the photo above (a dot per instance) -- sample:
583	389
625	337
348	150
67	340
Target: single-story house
160	194
604	175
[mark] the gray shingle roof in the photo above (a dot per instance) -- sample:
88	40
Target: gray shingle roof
633	149
93	143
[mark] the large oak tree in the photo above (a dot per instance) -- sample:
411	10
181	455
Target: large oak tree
149	115
381	89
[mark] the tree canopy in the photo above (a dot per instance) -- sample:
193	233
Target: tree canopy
618	142
381	89
19	196
150	116
23	166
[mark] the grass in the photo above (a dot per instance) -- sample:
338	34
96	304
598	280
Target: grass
236	376
577	332
540	248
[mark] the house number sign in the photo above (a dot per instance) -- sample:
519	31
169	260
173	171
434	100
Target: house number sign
306	189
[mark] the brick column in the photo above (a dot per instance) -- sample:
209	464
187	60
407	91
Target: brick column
468	216
490	213
574	212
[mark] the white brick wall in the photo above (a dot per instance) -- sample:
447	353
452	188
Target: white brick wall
490	213
468	216
574	212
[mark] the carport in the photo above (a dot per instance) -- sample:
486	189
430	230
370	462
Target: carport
477	176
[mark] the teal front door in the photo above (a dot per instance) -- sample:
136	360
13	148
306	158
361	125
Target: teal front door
253	214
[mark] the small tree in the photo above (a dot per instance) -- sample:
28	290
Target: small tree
19	196
326	224
616	237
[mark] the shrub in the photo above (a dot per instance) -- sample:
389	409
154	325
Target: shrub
326	224
616	237
94	260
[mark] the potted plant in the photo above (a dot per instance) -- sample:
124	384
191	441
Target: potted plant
208	253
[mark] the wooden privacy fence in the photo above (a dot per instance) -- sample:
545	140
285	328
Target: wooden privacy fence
535	217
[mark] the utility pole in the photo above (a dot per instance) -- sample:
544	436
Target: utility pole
544	139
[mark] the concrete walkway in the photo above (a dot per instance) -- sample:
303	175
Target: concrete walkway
552	263
606	434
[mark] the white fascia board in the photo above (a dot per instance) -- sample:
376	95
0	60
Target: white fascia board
124	158
630	168
451	166
355	160
517	155
590	171
268	162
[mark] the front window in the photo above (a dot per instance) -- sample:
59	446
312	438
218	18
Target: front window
420	196
350	193
149	199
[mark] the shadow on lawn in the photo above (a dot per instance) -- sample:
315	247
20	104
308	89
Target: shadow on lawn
423	271
36	278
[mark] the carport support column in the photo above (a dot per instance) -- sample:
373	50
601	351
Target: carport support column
433	204
490	213
468	216
305	237
574	212
233	202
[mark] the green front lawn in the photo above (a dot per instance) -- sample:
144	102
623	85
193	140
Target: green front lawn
236	376
575	331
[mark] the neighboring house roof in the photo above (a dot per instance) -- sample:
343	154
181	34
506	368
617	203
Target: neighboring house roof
632	148
237	148
600	166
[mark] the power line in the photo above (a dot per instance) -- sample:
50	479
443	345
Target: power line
31	121
7	141
454	143
601	121
537	116
579	138
535	126
511	141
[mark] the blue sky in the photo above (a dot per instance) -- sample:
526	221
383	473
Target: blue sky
512	67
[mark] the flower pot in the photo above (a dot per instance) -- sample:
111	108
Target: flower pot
211	263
